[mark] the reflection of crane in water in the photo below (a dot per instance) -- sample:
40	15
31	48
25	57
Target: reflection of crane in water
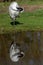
15	52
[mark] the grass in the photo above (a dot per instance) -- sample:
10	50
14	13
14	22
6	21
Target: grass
30	20
22	2
28	2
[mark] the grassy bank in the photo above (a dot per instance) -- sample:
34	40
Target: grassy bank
30	20
22	2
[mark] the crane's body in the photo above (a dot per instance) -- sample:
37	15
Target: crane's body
14	10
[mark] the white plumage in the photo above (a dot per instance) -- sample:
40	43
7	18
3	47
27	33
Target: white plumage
14	10
15	53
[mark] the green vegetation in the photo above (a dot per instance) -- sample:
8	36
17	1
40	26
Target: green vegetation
22	2
31	20
29	2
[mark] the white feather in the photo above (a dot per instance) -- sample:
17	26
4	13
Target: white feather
13	11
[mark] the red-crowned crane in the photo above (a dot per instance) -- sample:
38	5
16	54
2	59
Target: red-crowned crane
14	10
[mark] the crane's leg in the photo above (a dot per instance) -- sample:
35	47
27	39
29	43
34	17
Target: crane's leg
14	20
